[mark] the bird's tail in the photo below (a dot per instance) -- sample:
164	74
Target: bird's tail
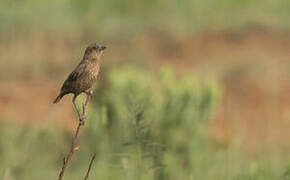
58	98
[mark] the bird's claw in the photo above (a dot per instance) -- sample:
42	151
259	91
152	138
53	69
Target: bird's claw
82	120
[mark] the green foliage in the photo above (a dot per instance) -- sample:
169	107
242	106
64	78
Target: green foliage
157	118
141	126
114	15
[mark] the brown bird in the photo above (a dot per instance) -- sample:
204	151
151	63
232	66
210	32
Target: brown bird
83	78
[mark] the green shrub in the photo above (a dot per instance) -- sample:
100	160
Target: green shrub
153	121
141	126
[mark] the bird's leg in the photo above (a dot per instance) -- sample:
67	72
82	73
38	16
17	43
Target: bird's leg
76	108
88	98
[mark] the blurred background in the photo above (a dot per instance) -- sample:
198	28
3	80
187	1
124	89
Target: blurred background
192	89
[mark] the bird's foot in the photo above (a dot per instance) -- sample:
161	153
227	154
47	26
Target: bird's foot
82	120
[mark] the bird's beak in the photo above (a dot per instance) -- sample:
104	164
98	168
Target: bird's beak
103	47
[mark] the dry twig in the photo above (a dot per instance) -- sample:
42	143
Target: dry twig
72	150
90	166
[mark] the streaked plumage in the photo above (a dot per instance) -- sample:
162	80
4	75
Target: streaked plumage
84	76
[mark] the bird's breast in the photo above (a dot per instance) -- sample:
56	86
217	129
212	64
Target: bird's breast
93	71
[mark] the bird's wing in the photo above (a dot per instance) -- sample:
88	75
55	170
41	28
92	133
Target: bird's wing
79	70
76	74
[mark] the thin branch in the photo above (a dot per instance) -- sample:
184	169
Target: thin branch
74	147
72	150
90	166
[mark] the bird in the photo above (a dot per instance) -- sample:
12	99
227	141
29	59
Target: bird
83	78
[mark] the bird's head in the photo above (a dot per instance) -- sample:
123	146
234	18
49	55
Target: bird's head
94	51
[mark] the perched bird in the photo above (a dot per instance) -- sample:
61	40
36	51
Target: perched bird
83	78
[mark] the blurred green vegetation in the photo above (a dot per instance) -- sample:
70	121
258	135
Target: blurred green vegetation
114	16
142	126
